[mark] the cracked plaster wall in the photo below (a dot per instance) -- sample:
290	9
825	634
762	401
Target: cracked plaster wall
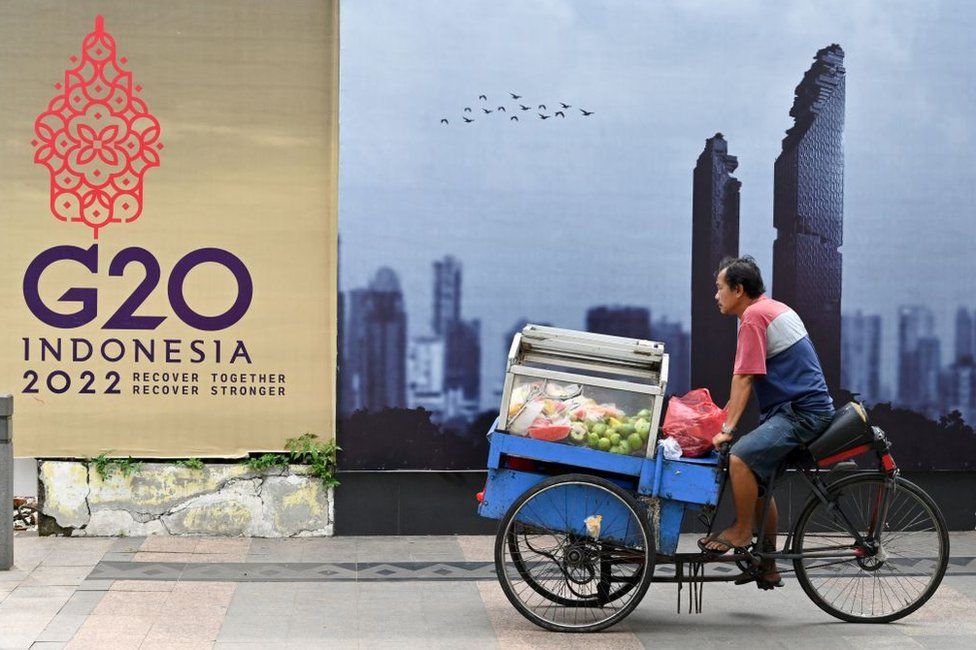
166	499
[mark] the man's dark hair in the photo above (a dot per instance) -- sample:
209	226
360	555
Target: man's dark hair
742	271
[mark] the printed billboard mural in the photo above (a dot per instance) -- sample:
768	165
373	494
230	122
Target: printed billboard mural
169	254
588	166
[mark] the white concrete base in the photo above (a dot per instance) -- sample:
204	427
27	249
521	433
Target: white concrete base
167	499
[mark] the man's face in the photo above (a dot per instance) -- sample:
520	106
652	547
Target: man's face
726	297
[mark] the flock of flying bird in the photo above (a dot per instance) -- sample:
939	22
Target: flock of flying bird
522	107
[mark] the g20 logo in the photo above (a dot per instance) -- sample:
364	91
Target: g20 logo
125	318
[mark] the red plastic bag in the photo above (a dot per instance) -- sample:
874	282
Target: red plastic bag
693	420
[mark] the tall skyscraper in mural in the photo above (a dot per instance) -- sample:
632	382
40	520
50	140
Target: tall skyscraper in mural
918	358
964	334
808	208
861	355
342	377
630	322
714	234
463	354
425	375
357	308
461	342
957	386
677	343
377	344
447	294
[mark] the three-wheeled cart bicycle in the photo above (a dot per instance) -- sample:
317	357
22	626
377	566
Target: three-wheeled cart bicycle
589	505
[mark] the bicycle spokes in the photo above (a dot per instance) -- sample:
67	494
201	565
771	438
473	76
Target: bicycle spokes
898	539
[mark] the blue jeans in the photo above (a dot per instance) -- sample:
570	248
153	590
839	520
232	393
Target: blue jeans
764	448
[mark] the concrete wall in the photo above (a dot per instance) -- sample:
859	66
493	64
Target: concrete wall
25	477
167	499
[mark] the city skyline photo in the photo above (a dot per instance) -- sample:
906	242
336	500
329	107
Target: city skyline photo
552	217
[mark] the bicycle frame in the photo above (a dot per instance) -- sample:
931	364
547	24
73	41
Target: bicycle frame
864	546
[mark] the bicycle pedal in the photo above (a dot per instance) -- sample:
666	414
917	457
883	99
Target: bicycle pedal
846	466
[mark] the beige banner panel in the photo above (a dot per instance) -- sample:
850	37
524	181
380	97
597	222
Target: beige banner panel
169	179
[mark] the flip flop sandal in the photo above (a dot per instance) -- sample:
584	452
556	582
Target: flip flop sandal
766	585
715	552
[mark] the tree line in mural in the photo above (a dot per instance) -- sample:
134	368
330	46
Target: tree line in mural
918	442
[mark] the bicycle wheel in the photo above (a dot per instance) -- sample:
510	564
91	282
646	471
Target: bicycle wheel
912	550
519	538
566	576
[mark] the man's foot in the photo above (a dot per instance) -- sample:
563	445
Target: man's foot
770	577
722	543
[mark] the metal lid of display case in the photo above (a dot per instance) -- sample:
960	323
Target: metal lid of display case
538	340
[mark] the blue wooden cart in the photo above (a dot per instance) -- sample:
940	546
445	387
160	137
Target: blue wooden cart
675	486
560	566
582	524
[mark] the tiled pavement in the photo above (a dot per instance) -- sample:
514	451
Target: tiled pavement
397	592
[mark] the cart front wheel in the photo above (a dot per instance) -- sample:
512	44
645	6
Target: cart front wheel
575	553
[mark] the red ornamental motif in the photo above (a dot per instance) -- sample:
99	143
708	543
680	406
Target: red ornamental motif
97	139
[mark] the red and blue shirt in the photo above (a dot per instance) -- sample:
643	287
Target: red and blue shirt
773	345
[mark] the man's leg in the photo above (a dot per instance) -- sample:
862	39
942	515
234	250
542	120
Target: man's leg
769	531
771	523
745	492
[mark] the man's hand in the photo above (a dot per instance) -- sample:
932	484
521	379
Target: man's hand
721	438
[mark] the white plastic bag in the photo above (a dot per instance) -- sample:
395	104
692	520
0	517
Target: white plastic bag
670	448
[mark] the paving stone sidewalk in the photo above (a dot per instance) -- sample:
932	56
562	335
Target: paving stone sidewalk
393	592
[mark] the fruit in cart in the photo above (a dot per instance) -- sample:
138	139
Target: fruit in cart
528	416
578	432
642	426
644	414
614	422
552	407
549	432
599	428
614	438
604	444
626	429
592	440
635	441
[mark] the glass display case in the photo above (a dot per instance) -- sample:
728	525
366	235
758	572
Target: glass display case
590	390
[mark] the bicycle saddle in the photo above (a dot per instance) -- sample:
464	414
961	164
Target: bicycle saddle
849	429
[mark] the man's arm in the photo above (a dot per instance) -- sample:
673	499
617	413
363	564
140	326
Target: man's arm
736	406
738	399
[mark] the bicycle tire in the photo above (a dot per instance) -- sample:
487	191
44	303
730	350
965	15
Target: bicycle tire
836	491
